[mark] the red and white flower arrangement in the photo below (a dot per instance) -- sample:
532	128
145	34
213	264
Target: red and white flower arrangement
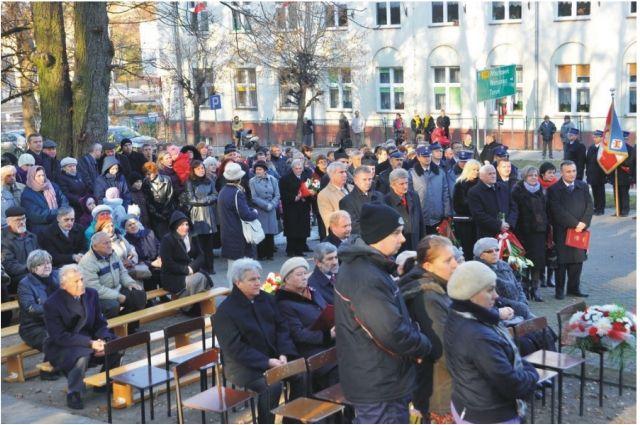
272	284
309	188
604	327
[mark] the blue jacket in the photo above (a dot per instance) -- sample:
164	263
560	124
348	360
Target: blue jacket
146	244
103	183
433	190
234	245
32	294
88	170
69	332
39	215
322	285
546	130
250	333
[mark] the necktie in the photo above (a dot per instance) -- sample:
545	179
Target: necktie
403	201
570	188
332	280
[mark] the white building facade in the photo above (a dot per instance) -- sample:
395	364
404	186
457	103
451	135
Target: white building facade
424	56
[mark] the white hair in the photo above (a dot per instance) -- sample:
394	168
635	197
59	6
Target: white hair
334	167
240	267
397	174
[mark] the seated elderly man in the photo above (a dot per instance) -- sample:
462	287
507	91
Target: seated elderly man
64	239
339	228
253	337
17	243
103	271
77	332
324	274
11	190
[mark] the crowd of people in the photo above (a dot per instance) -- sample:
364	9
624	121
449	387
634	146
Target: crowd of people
101	230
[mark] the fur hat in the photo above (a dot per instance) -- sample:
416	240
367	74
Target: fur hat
291	264
468	279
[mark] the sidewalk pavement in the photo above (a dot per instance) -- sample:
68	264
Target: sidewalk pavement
21	411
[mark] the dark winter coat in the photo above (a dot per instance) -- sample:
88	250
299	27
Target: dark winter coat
15	250
509	288
88	170
626	170
146	244
282	167
103	182
299	314
70	332
175	258
533	222
595	174
487	204
138	198
577	153
381	182
480	356
487	151
39	215
201	196
234	245
136	161
353	203
250	333
376	339
322	285
428	303
296	218
161	198
178	187
546	130
567	210
414	228
75	190
33	291
62	248
460	197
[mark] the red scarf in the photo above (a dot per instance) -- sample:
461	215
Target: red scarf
403	201
545	184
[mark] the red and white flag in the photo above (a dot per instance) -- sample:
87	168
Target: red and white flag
613	150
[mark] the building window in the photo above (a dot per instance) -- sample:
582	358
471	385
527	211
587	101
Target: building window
446	88
287	15
198	17
388	13
444	11
340	88
573	88
288	90
336	15
632	88
506	11
203	82
515	103
391	89
633	7
239	19
246	93
573	9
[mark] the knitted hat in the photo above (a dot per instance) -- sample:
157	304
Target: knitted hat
468	279
15	211
26	159
112	193
484	244
68	161
378	221
101	208
291	264
233	171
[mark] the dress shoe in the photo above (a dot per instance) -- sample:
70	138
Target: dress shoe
49	376
74	401
559	297
579	294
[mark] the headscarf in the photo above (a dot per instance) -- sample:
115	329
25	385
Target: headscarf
46	188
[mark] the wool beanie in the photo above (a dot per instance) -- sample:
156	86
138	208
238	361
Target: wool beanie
378	221
291	264
468	279
112	193
484	244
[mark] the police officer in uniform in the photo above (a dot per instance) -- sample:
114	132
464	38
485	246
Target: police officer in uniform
626	176
596	177
576	152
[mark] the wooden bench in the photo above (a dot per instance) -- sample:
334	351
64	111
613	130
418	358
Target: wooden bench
10	330
13	355
9	306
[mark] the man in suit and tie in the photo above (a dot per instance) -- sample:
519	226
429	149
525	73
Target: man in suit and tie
329	197
323	277
571	207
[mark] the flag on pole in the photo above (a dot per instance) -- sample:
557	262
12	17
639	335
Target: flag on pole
200	6
612	151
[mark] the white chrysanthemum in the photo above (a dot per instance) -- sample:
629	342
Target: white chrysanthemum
603	325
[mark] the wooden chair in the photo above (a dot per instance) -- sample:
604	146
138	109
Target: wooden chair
564	315
180	332
217	399
142	378
550	360
303	409
334	393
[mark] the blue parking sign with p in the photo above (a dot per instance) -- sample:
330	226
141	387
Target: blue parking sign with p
215	102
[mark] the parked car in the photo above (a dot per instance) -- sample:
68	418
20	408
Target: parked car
14	142
119	132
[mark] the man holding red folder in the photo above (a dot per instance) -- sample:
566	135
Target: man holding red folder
571	209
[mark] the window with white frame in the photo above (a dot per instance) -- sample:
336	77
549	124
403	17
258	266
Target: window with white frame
573	88
632	88
238	18
387	13
340	88
246	91
573	9
444	11
336	15
446	88
505	11
515	103
198	17
633	7
391	89
287	15
288	89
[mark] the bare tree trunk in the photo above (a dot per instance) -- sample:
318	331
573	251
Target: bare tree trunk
53	74
196	121
302	108
92	74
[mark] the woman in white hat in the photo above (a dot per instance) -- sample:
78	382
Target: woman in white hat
490	379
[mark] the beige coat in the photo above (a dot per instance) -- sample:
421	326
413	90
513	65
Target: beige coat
329	201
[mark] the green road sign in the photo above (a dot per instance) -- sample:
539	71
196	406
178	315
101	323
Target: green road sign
496	82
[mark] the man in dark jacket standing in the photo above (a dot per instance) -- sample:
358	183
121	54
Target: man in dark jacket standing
571	207
88	166
360	195
595	175
444	122
136	159
547	129
491	204
35	143
376	341
576	152
406	203
626	177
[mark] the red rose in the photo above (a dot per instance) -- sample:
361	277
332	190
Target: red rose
593	331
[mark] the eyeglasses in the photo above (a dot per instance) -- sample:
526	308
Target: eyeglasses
490	251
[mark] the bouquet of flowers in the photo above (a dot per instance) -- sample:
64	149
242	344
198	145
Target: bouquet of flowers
446	229
272	284
512	251
604	327
309	188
